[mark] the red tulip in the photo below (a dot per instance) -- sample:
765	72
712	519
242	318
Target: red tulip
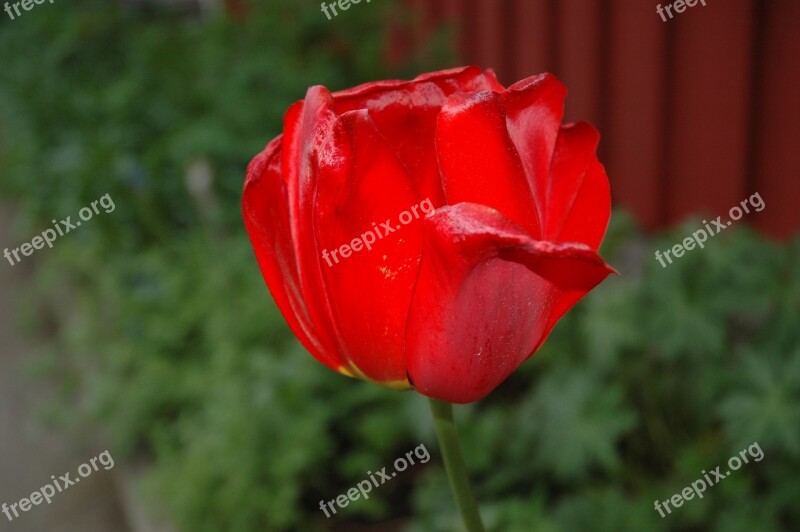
509	209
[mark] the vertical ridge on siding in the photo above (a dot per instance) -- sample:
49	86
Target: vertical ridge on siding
634	133
778	120
488	37
579	58
696	113
710	90
533	39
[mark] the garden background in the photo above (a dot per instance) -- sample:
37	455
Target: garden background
149	330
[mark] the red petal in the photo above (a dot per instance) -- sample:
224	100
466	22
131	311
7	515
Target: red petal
308	127
266	216
485	299
478	161
534	107
461	79
405	114
370	290
579	198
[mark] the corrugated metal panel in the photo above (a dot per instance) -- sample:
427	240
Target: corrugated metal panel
635	132
777	119
697	113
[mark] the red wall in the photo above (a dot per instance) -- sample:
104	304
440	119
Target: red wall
697	113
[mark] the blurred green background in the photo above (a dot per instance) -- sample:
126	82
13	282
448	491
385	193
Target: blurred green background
158	333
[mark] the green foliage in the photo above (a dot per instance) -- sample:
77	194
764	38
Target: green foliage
106	100
174	343
175	346
657	375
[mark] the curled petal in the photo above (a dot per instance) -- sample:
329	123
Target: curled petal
579	197
405	114
486	296
534	108
478	160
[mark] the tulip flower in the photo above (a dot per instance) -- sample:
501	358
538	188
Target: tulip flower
428	234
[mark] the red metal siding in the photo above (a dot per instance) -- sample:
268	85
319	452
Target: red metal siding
697	113
777	120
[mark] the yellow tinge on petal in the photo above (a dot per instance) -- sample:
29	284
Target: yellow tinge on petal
354	372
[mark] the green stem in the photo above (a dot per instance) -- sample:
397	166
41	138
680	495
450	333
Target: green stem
454	465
